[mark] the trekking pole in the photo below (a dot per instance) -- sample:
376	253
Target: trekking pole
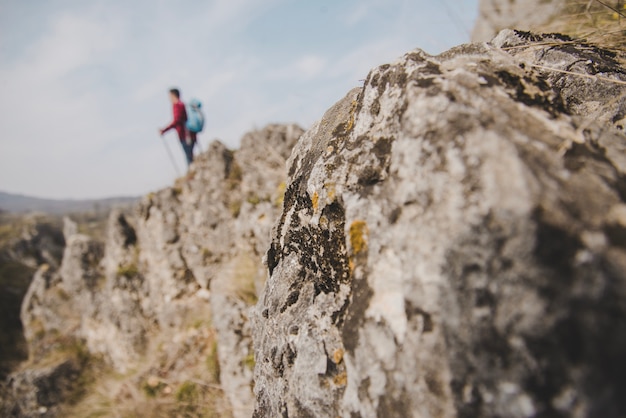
169	152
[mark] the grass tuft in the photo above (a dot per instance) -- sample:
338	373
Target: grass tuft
601	22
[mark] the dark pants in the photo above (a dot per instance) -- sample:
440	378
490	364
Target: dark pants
188	145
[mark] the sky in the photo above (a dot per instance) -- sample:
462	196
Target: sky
83	83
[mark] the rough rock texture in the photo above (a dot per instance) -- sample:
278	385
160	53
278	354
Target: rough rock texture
25	243
495	15
452	243
183	271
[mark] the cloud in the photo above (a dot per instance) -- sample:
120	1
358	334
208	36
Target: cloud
44	114
303	68
309	66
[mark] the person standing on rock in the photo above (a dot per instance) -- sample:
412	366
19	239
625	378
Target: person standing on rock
179	124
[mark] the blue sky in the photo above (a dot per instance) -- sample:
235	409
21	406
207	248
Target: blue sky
83	83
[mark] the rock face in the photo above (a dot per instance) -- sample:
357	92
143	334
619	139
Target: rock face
452	242
25	243
495	15
171	279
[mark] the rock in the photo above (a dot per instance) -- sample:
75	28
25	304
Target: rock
39	392
26	243
182	271
451	242
41	242
615	228
70	227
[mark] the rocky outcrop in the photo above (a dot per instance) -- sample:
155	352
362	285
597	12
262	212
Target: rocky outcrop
451	242
26	242
172	279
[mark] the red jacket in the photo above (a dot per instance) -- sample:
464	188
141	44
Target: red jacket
180	118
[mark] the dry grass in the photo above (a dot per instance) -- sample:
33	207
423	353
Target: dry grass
238	278
602	22
174	379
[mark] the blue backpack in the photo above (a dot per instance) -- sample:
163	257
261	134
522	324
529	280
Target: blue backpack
195	118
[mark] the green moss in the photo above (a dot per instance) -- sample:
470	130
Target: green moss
249	361
280	194
128	270
254	199
235	175
213	364
235	208
151	390
206	254
187	393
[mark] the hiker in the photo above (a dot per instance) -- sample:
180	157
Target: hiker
179	123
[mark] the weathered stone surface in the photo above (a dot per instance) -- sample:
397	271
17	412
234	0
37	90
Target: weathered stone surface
39	392
25	243
451	243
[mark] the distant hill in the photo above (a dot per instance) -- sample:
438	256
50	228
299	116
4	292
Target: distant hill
16	203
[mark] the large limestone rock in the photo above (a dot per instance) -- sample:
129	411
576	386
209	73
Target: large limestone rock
452	243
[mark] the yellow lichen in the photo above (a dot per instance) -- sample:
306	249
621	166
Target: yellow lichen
338	356
350	123
280	195
358	236
315	200
249	361
331	192
341	379
351	265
